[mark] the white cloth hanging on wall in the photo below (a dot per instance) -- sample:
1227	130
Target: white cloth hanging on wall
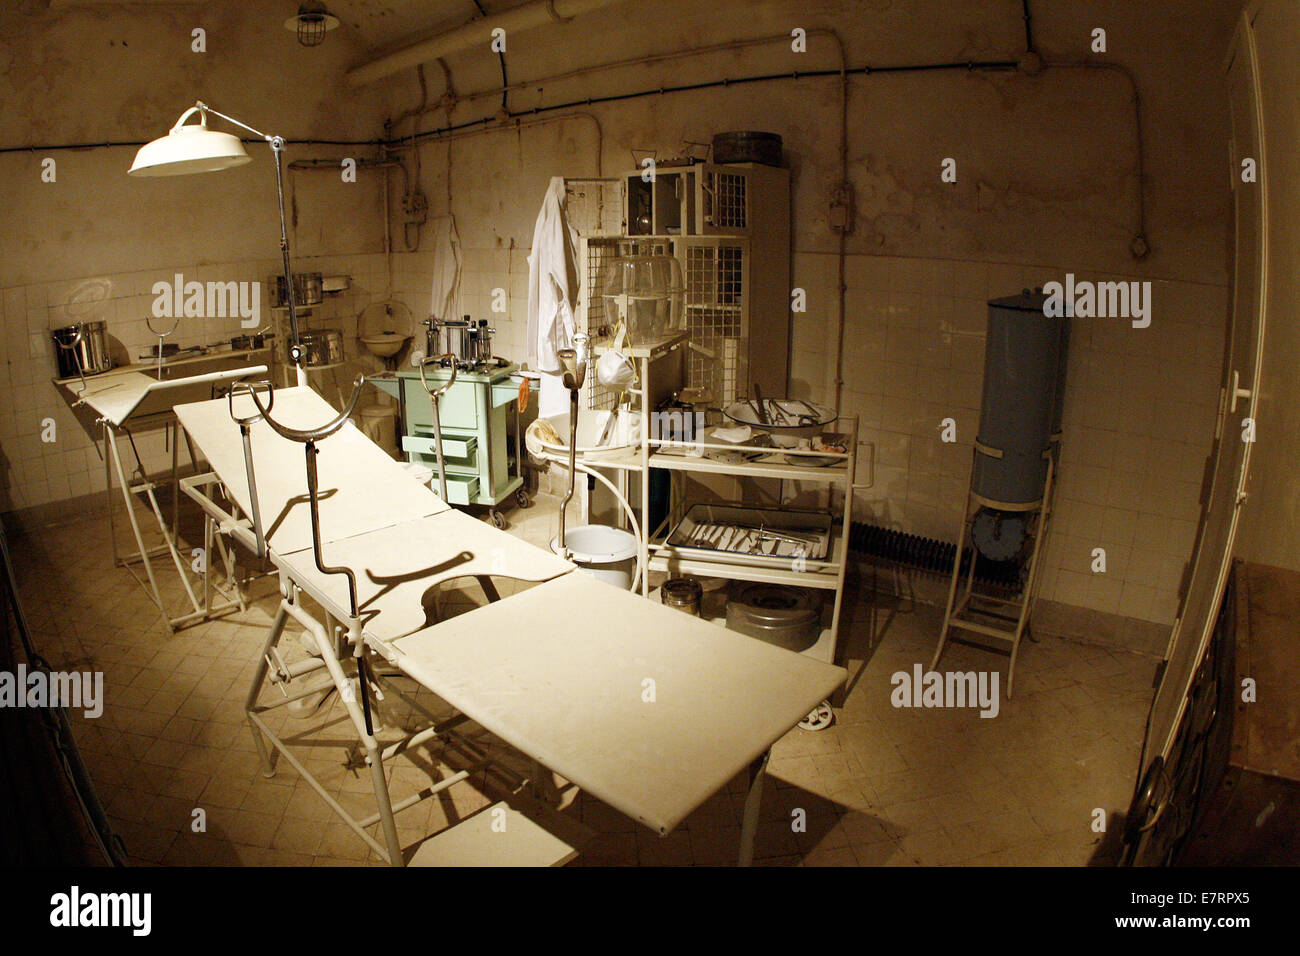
553	282
446	268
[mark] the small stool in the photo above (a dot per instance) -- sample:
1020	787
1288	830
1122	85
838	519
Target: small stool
379	424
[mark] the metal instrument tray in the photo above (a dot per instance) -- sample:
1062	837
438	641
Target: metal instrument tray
707	529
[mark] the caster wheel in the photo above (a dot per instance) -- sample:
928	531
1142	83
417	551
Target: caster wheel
498	520
819	718
523	499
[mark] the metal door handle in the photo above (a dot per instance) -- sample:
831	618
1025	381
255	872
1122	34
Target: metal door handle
1237	392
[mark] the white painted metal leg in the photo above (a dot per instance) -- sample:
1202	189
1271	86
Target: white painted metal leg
111	443
349	693
753	801
254	691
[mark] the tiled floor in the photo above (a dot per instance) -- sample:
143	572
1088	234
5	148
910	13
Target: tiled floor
884	786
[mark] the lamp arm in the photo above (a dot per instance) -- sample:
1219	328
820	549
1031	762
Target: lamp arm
205	108
277	147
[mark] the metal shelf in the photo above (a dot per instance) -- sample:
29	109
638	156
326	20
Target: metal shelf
825	574
150	368
656	349
771	466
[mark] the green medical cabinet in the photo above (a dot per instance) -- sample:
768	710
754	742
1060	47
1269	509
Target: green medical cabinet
482	434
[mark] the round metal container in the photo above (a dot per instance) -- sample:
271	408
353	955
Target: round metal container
321	347
308	289
776	614
748	147
685	594
311	287
451	336
82	348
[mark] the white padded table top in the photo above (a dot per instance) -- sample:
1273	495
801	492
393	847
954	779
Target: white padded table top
361	488
557	672
398	566
117	395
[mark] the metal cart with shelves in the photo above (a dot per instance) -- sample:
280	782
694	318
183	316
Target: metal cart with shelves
682	458
482	432
833	469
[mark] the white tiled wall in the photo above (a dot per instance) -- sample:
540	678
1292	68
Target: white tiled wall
34	472
482	272
1139	414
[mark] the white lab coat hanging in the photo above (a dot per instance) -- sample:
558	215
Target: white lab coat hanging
553	283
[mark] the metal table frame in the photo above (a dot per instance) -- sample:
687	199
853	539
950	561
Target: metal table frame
117	400
353	659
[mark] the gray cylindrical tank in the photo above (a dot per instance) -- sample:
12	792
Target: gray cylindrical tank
1024	388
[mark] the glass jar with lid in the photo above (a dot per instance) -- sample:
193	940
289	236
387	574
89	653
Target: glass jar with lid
644	291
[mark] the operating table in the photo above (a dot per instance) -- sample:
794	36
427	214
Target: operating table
121	399
644	707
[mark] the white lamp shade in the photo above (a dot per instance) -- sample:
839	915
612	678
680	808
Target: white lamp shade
189	149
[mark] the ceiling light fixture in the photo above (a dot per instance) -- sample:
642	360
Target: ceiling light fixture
311	23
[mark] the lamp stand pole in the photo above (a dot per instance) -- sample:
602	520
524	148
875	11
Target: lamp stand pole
277	147
295	350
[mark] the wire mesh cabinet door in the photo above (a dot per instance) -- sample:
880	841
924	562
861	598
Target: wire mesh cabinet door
716	271
592	317
751	203
596	207
722	197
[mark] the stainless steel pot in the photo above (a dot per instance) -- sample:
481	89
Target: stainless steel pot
777	614
453	336
321	347
82	349
308	289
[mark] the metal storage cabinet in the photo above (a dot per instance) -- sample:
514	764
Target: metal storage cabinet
480	430
730	227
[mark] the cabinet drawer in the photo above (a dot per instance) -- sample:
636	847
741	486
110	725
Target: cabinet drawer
461	489
458	408
458	450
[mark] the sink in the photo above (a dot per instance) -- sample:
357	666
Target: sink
591	425
385	344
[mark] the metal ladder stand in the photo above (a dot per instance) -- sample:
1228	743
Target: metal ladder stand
1000	619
